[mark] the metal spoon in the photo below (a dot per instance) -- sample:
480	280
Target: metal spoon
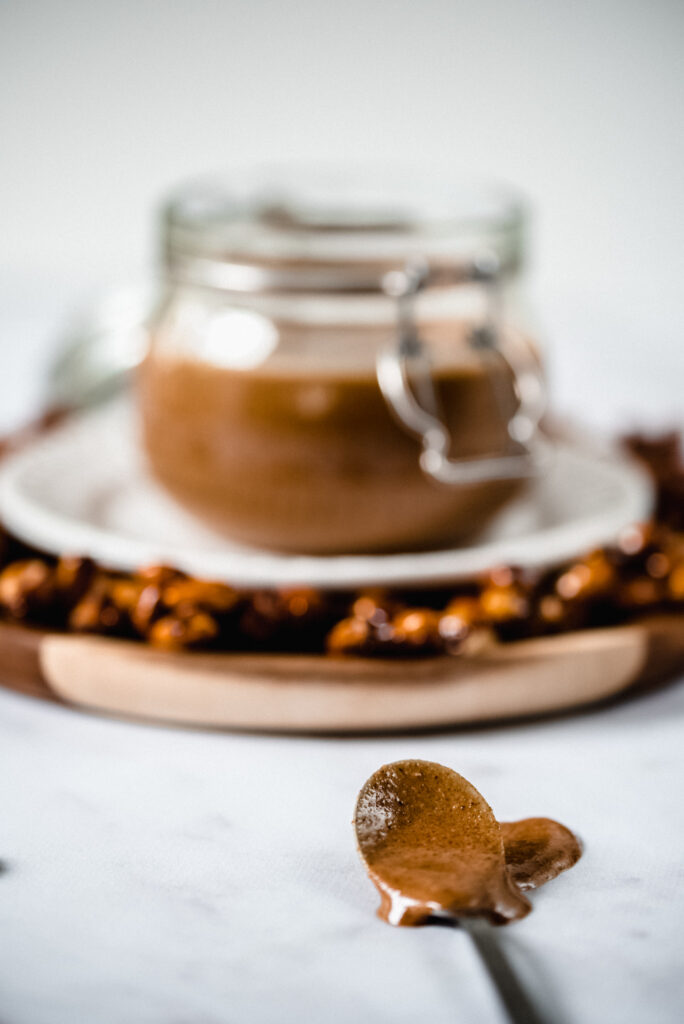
434	850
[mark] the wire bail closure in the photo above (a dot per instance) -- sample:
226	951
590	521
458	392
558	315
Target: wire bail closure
405	378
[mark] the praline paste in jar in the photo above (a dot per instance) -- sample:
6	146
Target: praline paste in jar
303	455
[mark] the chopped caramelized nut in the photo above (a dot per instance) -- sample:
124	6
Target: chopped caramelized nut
500	604
216	597
419	628
26	588
174	631
146	608
466	609
594	575
349	636
97	612
676	583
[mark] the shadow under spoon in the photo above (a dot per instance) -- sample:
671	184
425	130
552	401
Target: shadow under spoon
511	993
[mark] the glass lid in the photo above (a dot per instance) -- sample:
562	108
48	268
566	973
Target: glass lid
332	228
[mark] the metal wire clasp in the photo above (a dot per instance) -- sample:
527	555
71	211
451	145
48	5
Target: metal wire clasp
405	377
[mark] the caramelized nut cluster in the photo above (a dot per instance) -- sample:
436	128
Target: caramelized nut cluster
643	572
382	625
161	605
662	456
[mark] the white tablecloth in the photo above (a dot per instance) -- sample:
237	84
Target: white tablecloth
162	876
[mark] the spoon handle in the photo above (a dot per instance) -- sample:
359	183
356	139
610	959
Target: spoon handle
511	993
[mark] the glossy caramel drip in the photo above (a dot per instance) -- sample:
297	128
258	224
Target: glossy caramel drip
432	846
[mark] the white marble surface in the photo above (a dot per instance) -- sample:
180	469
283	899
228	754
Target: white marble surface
177	877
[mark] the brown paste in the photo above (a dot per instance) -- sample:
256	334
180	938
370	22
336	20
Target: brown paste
537	850
432	845
301	453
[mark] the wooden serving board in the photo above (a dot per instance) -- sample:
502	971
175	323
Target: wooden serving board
312	693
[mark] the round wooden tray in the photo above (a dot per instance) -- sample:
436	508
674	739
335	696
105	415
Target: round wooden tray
315	694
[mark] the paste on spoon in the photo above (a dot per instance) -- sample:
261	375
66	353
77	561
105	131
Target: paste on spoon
432	845
537	850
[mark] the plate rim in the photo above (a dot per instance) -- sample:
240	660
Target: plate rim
56	533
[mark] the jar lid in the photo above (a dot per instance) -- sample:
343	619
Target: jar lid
288	229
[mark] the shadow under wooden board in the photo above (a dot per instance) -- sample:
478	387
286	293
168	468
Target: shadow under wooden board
313	693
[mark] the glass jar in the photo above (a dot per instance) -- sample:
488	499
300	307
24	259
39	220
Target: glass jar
338	365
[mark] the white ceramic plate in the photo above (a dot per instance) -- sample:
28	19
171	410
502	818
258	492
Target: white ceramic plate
83	489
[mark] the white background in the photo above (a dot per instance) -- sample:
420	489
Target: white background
103	106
